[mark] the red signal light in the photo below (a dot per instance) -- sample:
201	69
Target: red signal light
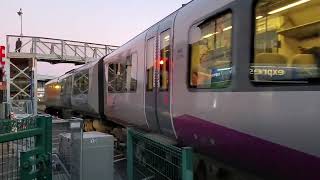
161	62
2	54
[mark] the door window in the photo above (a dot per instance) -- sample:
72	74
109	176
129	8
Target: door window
165	58
150	63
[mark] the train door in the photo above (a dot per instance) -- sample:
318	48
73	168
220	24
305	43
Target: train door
150	78
163	84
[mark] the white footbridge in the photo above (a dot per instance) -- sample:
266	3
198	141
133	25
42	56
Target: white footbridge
23	53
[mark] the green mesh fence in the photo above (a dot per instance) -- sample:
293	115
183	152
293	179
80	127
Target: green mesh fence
25	148
148	158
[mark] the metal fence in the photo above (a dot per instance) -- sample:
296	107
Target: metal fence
148	158
25	148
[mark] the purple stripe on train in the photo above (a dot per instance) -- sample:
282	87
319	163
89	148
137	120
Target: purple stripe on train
248	151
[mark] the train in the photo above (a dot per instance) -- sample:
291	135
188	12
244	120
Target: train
237	80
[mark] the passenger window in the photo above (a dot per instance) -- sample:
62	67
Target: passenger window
81	82
287	41
150	63
111	77
131	71
211	43
165	56
117	77
122	77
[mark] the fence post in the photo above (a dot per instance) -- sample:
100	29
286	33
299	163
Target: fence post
40	141
187	164
76	148
48	135
129	155
44	141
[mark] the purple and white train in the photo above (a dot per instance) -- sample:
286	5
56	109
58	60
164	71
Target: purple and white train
234	79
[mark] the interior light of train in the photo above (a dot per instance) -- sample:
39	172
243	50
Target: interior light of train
259	17
227	28
224	69
167	38
288	6
209	35
161	62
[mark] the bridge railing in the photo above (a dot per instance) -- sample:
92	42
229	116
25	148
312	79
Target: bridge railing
50	49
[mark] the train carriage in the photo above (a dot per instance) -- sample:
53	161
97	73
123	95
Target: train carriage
237	80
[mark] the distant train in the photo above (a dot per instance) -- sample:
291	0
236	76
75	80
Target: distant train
234	79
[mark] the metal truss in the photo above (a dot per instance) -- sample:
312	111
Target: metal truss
56	50
20	86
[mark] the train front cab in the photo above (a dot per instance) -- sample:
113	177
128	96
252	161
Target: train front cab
52	97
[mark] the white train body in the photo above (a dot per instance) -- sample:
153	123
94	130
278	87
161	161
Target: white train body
258	109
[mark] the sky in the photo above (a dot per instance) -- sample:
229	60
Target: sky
97	21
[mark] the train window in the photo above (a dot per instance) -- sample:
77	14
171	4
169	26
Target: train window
287	42
132	69
117	82
210	42
131	73
81	82
111	77
165	53
150	63
122	77
117	77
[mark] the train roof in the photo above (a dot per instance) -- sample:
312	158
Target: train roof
132	39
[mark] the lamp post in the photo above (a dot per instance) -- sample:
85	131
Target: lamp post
20	13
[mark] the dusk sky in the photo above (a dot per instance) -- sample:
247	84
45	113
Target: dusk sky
97	21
